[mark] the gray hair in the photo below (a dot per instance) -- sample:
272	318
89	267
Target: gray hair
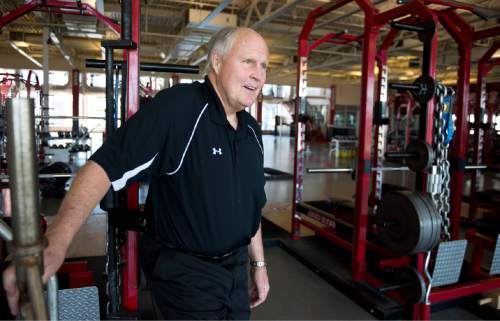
220	43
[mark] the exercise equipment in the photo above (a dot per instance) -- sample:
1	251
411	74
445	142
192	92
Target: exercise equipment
409	283
408	222
418	155
52	184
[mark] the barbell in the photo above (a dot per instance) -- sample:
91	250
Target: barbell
54	175
350	170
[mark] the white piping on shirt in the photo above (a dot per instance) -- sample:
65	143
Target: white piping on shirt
189	141
122	181
258	143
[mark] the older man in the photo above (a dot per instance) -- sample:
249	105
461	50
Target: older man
202	154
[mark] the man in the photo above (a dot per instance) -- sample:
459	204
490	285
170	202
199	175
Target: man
202	155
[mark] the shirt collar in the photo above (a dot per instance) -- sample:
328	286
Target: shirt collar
216	109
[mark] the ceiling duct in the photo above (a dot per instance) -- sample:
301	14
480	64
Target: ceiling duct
197	16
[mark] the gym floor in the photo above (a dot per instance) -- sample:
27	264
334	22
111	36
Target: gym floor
297	292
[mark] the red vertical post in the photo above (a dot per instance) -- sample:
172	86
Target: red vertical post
130	288
459	146
478	137
75	86
380	130
175	79
260	101
331	111
488	139
462	33
426	127
429	109
363	167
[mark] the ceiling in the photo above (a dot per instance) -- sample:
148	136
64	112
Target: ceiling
173	31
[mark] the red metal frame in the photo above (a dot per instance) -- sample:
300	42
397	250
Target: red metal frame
485	65
332	108
373	21
463	34
130	289
64	7
259	105
382	93
130	271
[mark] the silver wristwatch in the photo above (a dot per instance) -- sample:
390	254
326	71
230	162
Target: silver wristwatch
258	264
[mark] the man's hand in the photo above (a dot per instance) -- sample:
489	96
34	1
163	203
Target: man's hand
259	288
53	258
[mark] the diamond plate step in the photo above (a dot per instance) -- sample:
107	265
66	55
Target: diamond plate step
449	260
495	262
79	304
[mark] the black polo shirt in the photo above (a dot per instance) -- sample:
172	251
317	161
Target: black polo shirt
206	179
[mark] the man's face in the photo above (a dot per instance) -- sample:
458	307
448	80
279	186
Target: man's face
242	71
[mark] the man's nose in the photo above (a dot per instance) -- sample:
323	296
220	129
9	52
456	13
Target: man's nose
258	74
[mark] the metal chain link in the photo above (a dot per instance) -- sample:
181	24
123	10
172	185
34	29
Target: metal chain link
113	281
441	175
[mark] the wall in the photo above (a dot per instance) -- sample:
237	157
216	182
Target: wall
348	94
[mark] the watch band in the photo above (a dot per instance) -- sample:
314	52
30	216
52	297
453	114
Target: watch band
258	264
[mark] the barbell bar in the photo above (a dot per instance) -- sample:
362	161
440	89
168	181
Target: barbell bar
53	175
70	117
374	169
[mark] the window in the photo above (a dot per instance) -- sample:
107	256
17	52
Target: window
96	80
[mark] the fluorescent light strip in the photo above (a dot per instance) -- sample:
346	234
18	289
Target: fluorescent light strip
57	43
25	54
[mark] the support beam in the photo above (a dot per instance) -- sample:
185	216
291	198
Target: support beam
276	13
25	54
213	14
58	42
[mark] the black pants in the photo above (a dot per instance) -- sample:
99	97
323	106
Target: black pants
188	287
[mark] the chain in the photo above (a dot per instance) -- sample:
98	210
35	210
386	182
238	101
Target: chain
441	171
113	262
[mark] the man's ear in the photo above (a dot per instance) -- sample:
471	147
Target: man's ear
215	59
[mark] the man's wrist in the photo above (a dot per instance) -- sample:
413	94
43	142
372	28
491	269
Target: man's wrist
258	264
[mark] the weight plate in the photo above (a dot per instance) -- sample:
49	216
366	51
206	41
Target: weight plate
427	89
399	222
425	222
435	230
436	217
424	155
413	285
408	222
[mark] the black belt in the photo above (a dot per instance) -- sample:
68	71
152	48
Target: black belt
215	258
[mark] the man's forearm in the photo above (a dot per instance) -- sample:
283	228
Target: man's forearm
256	248
88	188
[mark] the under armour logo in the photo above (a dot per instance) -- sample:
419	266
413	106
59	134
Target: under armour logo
216	151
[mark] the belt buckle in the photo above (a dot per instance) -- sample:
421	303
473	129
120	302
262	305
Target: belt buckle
219	258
